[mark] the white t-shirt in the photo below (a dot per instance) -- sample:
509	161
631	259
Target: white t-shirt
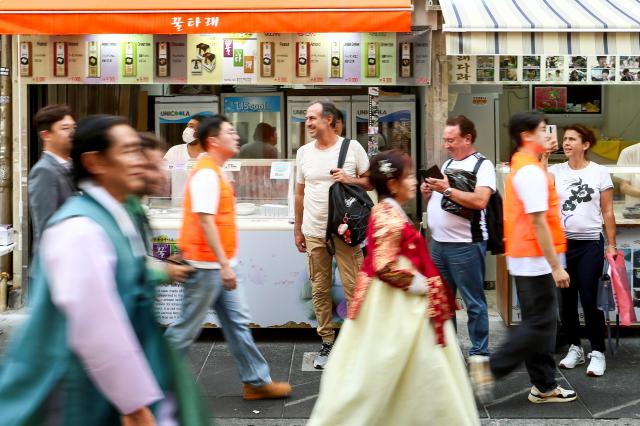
204	188
313	168
630	156
531	181
579	192
178	153
446	227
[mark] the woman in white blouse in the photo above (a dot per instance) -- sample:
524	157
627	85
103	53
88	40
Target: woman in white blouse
586	196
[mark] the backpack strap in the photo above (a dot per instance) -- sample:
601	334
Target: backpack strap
478	163
446	166
343	152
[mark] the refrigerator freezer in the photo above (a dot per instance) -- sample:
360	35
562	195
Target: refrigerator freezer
397	122
247	110
296	110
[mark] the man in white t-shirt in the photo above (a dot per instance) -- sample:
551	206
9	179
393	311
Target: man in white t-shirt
458	244
190	149
630	182
316	171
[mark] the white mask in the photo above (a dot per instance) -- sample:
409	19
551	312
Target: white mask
188	135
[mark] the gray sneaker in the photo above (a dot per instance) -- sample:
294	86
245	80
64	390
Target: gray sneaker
323	356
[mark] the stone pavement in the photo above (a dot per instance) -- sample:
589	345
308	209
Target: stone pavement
610	400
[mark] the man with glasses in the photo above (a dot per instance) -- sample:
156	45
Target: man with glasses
208	239
458	245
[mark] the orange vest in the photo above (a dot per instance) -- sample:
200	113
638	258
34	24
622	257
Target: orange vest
192	240
519	232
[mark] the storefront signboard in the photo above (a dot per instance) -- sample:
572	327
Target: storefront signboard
238	59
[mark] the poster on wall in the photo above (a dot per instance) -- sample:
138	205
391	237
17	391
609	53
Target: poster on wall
508	68
275	58
531	69
170	58
204	59
239	58
413	58
136	59
578	68
485	69
554	68
379	58
34	54
549	99
310	58
461	70
603	68
629	68
344	60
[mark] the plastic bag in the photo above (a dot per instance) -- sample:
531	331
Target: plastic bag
464	181
621	289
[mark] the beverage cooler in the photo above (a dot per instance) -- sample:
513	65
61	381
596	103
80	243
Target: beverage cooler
397	122
247	110
296	110
173	114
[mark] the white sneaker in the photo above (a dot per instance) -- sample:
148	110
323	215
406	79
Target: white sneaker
574	357
481	377
556	395
598	365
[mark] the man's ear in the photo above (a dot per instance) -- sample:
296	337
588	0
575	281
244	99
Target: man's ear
44	136
93	162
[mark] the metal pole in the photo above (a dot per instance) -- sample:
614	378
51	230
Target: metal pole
6	153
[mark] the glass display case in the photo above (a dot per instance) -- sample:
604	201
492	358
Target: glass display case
264	189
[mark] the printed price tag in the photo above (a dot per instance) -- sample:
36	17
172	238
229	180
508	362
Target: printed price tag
231	166
280	170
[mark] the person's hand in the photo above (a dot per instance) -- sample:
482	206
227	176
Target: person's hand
140	417
228	276
301	244
438	185
339	175
612	250
425	190
561	277
178	273
551	144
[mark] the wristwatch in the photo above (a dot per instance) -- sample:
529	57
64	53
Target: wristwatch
447	192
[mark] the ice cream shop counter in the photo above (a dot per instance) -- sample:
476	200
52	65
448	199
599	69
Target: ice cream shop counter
272	273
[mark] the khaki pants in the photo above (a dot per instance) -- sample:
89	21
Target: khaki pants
349	260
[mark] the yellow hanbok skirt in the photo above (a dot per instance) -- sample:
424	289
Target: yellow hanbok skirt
386	369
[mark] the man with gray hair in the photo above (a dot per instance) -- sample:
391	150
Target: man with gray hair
316	171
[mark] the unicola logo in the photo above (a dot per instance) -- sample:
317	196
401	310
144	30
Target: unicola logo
349	201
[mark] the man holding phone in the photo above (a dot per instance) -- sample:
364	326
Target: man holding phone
458	245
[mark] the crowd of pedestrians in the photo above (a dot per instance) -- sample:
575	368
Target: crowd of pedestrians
91	351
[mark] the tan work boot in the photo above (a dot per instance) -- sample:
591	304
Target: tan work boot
273	390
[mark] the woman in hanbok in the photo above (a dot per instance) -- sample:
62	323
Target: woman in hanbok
396	361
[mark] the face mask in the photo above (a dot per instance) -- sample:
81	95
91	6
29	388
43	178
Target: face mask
188	135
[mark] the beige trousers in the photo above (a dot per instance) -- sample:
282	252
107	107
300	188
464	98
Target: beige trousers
349	260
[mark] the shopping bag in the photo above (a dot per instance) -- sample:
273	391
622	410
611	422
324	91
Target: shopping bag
604	300
621	289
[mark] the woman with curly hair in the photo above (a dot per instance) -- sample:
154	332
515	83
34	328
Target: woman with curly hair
396	360
586	199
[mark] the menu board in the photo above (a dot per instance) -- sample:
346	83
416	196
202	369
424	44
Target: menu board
238	59
552	69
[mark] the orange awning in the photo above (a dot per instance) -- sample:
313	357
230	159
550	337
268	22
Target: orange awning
203	16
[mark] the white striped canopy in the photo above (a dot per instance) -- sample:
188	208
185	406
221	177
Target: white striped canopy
549	27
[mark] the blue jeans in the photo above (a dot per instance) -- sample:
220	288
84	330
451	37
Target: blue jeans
203	289
462	266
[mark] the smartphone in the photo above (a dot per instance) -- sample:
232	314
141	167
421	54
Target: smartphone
552	130
432	172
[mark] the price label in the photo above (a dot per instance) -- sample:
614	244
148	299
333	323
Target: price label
280	170
232	166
